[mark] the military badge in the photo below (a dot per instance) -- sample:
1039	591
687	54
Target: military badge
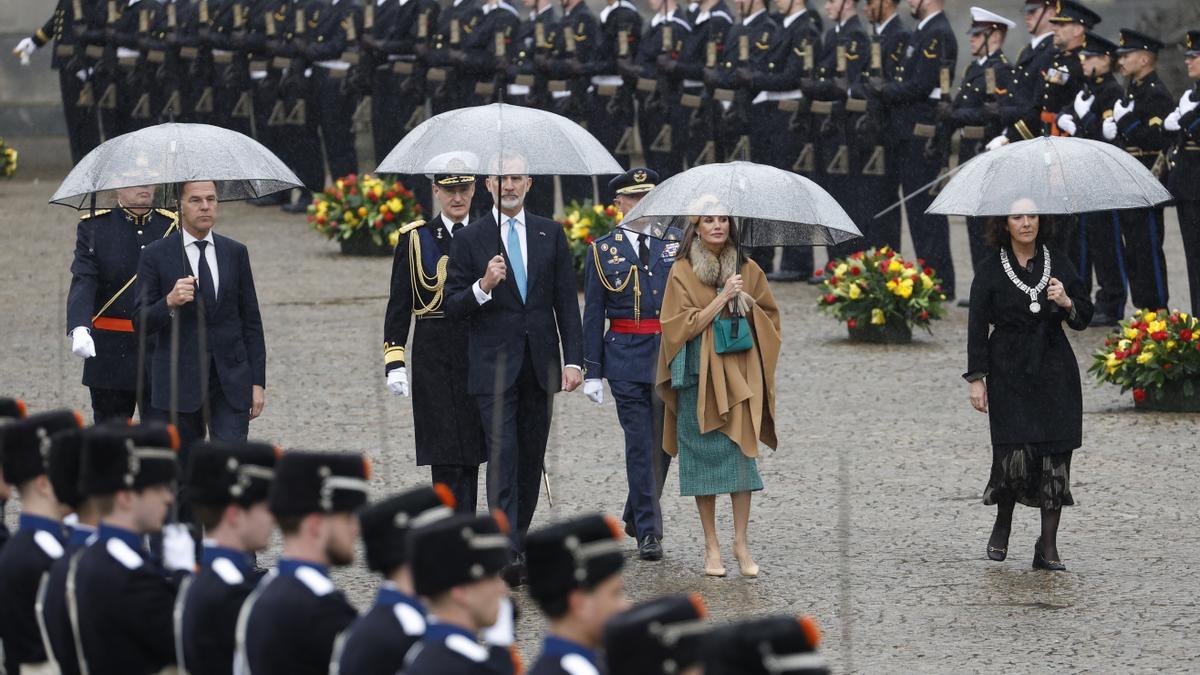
670	250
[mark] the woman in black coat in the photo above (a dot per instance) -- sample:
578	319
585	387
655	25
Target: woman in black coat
1025	376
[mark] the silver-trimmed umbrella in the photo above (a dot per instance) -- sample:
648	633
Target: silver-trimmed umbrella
773	207
1050	175
173	153
470	140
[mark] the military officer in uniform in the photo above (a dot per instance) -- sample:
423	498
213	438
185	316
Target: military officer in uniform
1136	124
328	39
664	42
456	564
1183	128
611	118
624	278
659	637
289	623
446	423
10	409
891	35
378	641
121	598
38	541
1034	59
227	484
569	67
575	578
449	89
100	301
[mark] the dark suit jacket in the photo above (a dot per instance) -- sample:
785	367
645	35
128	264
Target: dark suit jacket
500	328
235	333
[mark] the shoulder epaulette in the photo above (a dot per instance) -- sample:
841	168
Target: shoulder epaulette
168	213
97	212
409	227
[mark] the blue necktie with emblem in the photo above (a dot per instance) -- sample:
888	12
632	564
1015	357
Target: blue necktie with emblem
515	257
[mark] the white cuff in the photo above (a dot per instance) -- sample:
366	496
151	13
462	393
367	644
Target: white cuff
480	296
572	365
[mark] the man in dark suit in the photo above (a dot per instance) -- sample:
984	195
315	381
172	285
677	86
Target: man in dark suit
512	278
235	362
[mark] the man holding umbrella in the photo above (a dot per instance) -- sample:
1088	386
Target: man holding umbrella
624	278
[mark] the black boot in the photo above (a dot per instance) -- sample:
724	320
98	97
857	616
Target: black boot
301	204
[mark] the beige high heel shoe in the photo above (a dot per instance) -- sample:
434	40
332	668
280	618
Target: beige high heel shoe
748	569
718	571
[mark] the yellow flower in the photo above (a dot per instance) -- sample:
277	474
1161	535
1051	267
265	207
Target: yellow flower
894	266
891	286
347	216
573	217
877	317
383	208
1156	326
840	270
586	222
395	204
394	238
1145	356
855	291
1170	345
620	216
926	281
1131	333
908	273
1150	316
598	209
341	184
362	212
1123	345
1111	364
902	288
583	233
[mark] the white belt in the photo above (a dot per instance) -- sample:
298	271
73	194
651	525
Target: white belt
127	53
693	83
222	52
936	94
559	94
336	64
607	80
518	90
258	74
401	57
764	96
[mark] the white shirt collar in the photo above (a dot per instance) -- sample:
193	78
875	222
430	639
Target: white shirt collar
879	27
927	19
188	239
449	223
703	16
1041	38
379	3
658	18
608	9
791	18
404	2
746	21
503	219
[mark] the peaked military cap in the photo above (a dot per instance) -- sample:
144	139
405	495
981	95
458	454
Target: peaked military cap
1097	45
659	636
1191	43
578	553
457	550
983	21
635	181
1070	11
230	473
1133	41
11	407
318	482
25	443
452	179
385	525
62	466
128	457
781	645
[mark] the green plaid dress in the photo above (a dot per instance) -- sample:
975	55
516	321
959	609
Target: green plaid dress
711	463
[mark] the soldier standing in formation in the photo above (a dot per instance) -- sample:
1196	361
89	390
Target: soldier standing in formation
446	423
1182	128
624	278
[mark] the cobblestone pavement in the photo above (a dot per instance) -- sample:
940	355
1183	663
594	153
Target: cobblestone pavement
871	518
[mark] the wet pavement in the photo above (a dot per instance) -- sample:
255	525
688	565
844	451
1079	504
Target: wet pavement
871	519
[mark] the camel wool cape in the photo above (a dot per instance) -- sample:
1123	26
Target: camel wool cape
736	393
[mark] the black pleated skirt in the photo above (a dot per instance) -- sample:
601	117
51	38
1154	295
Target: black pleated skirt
1031	475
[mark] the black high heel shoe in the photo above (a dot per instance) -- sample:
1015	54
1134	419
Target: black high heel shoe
1040	562
996	553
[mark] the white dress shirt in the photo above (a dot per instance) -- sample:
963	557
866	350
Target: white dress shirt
502	219
449	223
210	254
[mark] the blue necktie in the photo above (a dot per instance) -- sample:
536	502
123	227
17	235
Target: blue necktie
515	257
205	279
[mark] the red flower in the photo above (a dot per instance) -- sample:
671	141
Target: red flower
352	178
818	273
589	239
857	255
854	272
1174	319
391	194
1136	348
1185	334
830	299
852	323
831	265
928	271
921	262
353	190
1119	355
320	220
924	315
1139	395
388	217
890	254
908	266
1166	366
835	281
417	208
1158	336
373	196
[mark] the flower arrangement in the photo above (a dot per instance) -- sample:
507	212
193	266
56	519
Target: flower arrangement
877	290
584	223
8	160
1153	355
366	206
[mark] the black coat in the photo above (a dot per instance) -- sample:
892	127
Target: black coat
1185	156
447	650
210	604
378	641
1032	375
908	96
54	606
235	332
25	558
446	422
502	330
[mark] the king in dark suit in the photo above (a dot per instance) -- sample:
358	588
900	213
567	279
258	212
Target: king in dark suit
512	278
235	362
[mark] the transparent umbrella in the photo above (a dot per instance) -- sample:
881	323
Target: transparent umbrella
168	154
1050	175
471	140
773	207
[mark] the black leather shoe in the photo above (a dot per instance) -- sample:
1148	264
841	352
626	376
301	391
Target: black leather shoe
650	548
996	553
300	205
815	280
1040	562
965	302
785	275
1102	320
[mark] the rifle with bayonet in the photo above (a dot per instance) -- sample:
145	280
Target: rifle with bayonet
620	103
702	123
868	127
733	107
801	122
938	147
199	59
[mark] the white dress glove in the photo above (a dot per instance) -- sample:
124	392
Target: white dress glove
1172	121
25	48
1110	129
82	344
997	142
503	632
594	390
1083	104
1120	109
1186	104
397	381
179	549
1067	123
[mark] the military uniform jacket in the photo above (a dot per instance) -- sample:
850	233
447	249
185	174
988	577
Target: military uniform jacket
893	44
446	422
402	25
834	129
378	641
479	45
1029	74
785	67
1107	91
449	650
969	113
563	657
711	27
107	249
528	48
913	95
291	620
615	19
209	604
53	601
125	605
326	29
24	559
763	38
1140	131
653	42
615	286
584	33
1185	156
66	30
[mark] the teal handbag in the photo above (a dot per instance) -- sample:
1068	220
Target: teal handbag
732	335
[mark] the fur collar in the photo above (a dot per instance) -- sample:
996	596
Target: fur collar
711	270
